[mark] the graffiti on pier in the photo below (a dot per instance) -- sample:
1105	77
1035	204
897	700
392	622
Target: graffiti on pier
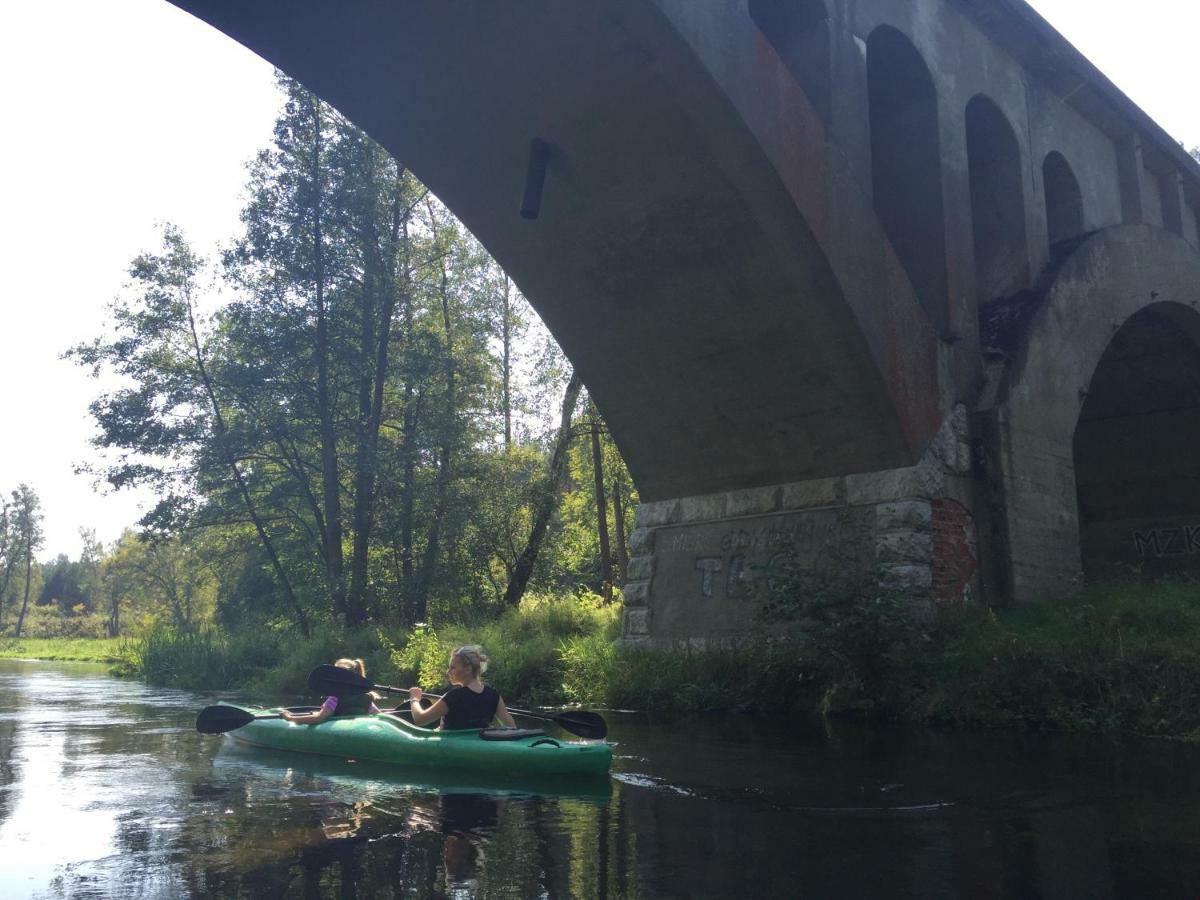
731	561
1162	542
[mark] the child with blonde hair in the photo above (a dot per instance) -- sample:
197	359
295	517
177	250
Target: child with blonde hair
349	705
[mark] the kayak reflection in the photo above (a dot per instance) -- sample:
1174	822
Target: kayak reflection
433	832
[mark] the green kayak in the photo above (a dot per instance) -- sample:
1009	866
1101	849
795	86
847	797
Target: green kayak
353	777
388	738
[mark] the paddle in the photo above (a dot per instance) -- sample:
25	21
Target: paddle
332	680
220	719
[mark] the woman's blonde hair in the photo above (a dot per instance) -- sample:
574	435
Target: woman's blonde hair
473	656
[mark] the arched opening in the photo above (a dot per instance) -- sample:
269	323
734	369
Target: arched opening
906	165
799	32
997	202
1137	476
1064	201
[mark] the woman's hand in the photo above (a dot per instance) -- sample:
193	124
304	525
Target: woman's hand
415	694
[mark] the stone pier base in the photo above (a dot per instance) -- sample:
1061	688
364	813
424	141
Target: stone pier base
700	566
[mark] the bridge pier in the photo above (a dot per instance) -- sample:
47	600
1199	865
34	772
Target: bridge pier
700	566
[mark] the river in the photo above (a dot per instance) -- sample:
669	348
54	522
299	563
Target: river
106	790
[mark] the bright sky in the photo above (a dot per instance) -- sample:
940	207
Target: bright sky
122	114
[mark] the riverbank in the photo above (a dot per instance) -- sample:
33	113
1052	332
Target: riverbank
1112	659
101	650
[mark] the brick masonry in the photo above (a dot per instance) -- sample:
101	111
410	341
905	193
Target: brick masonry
955	552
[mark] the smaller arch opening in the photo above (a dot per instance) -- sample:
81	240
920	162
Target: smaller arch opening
997	202
799	32
1064	200
906	164
1137	478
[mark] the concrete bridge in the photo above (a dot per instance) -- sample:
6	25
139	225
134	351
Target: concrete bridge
904	286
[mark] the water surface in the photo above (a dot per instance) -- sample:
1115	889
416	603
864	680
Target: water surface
107	791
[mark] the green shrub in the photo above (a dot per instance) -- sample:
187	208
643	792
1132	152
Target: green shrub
50	621
265	660
523	645
851	636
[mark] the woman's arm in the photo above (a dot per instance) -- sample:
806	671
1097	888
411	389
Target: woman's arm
504	715
421	715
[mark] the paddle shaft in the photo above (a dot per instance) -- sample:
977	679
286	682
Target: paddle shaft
519	712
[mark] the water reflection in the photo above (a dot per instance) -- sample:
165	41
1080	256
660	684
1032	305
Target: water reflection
106	791
369	827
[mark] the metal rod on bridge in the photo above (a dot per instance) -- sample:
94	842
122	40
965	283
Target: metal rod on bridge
535	178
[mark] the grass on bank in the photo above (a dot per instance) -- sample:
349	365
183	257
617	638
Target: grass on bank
101	650
1115	658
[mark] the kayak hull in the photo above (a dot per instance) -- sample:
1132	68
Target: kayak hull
357	775
386	738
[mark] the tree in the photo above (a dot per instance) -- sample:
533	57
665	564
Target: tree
171	417
27	515
365	430
9	551
548	499
606	577
165	579
62	585
90	557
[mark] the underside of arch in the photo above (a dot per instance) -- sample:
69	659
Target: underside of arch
667	259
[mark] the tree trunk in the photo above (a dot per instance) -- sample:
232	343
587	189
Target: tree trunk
408	452
619	522
546	503
408	501
8	567
506	340
8	550
28	581
243	490
430	561
331	491
371	393
114	614
601	512
364	463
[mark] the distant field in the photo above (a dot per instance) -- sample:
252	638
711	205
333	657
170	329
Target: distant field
77	649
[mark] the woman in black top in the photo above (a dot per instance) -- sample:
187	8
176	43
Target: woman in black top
469	703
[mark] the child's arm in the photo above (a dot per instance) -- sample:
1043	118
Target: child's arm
312	718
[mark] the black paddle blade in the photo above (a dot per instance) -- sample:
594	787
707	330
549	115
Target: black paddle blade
583	723
332	680
220	719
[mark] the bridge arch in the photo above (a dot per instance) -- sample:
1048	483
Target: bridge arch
1064	200
1067	414
906	165
799	32
997	201
1137	481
